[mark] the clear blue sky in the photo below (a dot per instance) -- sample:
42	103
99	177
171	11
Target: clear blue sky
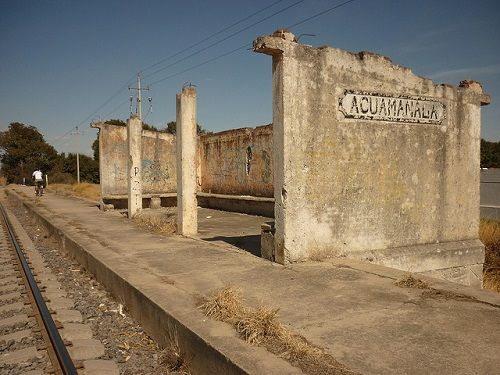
61	60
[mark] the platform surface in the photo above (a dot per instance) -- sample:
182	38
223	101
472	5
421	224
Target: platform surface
351	309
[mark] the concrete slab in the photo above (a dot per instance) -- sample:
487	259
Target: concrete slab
231	228
354	310
11	320
68	316
6	280
60	303
75	331
99	367
20	355
10	296
16	336
84	349
11	307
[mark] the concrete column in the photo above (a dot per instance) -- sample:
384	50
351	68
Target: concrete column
134	139
187	214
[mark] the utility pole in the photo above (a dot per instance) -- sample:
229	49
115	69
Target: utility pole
138	108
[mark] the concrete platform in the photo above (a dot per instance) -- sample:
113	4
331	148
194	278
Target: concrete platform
352	309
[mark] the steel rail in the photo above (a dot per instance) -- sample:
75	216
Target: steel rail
63	357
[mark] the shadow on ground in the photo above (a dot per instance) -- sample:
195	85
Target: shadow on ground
250	243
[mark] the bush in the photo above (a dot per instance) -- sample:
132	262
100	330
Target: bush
61	178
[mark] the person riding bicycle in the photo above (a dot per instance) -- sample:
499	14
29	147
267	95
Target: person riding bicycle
38	177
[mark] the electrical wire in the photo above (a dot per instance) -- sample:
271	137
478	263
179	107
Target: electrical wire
225	38
97	110
207	47
166	59
250	44
210	36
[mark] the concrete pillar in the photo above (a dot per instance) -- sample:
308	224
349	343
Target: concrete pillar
134	139
187	214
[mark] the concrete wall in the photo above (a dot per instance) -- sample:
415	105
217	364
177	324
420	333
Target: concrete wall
237	162
158	161
372	160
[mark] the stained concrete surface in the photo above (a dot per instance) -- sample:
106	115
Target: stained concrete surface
351	309
239	230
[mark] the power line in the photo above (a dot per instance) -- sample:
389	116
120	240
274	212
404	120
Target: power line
115	109
211	36
249	44
319	14
169	57
209	46
225	38
203	63
96	111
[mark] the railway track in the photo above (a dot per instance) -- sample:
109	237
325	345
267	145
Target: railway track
53	344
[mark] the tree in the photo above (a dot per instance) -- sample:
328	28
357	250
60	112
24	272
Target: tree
95	148
89	168
490	154
115	121
172	127
23	149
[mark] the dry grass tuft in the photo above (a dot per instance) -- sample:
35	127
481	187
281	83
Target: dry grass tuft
83	190
172	357
489	233
3	181
225	305
164	224
408	281
261	327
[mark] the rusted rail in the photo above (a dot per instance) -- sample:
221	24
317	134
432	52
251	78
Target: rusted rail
56	348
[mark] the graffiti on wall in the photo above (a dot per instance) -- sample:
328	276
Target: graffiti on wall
154	172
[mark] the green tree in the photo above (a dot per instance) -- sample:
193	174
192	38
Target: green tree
172	127
490	154
89	168
115	121
95	148
23	150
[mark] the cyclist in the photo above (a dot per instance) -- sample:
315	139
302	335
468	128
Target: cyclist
38	178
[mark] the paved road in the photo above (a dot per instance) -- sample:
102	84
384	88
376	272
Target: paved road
490	193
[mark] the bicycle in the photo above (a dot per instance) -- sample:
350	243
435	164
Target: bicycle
38	188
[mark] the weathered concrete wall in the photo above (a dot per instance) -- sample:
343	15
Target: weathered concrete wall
238	162
370	157
158	161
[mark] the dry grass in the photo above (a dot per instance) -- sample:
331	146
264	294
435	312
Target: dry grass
408	281
157	222
172	357
83	190
3	181
489	233
261	327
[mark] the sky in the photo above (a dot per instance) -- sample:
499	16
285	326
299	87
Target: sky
66	63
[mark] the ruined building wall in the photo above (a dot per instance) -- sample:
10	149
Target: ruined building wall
158	161
373	161
237	162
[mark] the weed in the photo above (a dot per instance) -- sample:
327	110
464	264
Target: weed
261	327
489	233
408	281
161	223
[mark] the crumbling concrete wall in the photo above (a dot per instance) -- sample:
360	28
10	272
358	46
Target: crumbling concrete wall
373	162
158	161
237	162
